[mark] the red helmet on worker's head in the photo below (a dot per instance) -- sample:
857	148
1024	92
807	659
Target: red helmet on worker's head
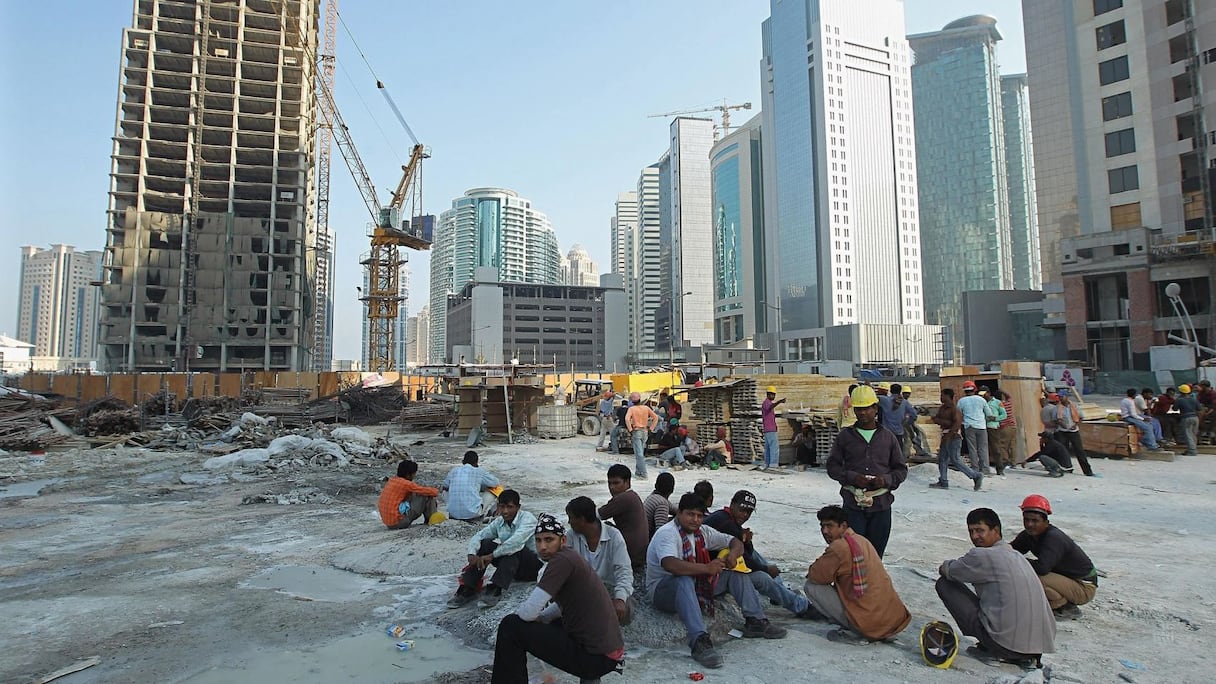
1037	503
969	385
682	431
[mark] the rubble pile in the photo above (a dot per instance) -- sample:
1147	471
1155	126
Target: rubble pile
106	416
26	421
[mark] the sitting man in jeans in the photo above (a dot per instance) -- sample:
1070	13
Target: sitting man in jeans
1131	415
684	575
1007	612
508	545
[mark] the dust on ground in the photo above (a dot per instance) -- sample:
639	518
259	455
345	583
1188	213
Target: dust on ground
173	573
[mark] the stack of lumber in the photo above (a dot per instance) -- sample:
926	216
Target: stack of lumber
746	441
107	416
426	414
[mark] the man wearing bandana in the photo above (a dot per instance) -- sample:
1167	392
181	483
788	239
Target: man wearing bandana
849	585
684	574
567	621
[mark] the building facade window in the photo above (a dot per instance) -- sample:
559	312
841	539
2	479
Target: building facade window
1116	106
1175	11
1123	179
1104	6
1120	142
1111	35
1113	70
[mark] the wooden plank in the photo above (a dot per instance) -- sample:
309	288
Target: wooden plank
122	385
1022	380
230	385
93	387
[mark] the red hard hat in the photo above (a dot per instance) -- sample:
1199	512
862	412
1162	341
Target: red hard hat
969	385
1037	502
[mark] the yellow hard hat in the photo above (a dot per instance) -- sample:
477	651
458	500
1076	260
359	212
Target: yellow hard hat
1185	389
740	566
436	518
863	396
495	490
771	389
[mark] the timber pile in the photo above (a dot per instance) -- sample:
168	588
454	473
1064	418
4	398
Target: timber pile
162	403
370	405
107	416
24	422
425	414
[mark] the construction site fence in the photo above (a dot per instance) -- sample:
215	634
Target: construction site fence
135	387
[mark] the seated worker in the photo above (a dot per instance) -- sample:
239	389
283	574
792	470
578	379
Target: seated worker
603	547
464	485
402	501
507	544
849	585
567	620
718	451
686	451
1068	575
804	442
1008	611
658	507
705	490
626	512
1051	452
684	575
763	575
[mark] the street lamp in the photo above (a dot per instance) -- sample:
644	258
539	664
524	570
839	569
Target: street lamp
1189	336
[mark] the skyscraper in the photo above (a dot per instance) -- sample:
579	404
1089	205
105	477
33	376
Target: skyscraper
648	269
845	245
417	337
488	227
689	286
738	235
210	257
59	302
972	158
1123	98
623	228
581	270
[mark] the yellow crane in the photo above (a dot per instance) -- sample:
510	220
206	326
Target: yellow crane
724	108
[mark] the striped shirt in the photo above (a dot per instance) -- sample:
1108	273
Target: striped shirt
1009	420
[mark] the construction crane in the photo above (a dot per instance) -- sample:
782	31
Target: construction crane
725	108
388	232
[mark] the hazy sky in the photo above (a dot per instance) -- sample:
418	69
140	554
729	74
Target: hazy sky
547	98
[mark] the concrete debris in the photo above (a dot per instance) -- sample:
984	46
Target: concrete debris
296	496
243	457
351	434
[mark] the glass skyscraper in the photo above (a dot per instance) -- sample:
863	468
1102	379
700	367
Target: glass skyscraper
844	241
972	161
738	234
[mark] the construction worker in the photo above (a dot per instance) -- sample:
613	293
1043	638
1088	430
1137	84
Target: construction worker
1068	575
768	418
640	420
402	501
1188	418
606	413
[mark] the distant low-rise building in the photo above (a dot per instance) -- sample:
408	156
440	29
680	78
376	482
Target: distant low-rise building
570	326
14	355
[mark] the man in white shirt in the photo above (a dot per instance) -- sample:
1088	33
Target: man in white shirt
603	547
1131	416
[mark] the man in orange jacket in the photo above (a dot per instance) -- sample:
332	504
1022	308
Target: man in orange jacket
402	501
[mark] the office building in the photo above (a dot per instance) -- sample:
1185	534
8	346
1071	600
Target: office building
687	229
972	160
738	235
570	326
623	232
14	356
838	128
60	302
1123	99
211	255
492	227
417	338
648	274
580	269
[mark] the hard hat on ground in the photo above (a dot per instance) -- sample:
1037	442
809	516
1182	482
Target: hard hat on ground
1185	389
1037	503
436	518
771	389
938	644
863	396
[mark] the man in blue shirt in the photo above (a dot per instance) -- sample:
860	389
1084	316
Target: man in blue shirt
896	413
976	414
464	485
508	545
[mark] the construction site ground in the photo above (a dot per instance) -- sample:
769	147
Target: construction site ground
167	572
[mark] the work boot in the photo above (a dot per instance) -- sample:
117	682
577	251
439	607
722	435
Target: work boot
703	652
979	481
1068	611
939	485
757	628
490	597
811	613
463	595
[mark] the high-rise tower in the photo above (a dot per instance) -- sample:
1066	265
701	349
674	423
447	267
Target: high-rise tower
210	257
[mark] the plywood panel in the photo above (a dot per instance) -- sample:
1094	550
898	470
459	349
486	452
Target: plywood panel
230	385
146	384
203	385
66	385
123	386
327	384
93	387
36	382
1023	381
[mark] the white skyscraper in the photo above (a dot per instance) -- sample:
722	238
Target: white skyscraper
844	241
691	273
647	262
581	270
417	338
488	227
60	301
624	232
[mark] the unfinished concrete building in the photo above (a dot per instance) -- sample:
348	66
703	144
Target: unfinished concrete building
211	248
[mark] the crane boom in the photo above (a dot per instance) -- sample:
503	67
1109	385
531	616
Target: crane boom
724	109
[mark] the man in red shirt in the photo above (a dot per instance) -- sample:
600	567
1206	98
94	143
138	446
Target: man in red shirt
402	501
1160	409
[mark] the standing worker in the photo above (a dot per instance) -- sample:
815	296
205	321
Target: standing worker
869	464
976	413
1068	432
606	413
640	420
768	417
1188	418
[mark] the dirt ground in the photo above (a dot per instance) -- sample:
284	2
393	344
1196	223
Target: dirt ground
111	553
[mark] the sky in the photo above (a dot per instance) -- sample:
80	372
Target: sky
549	98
